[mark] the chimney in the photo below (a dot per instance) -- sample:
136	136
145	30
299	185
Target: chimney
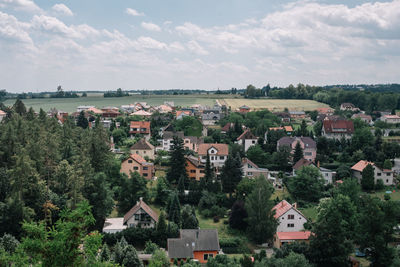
141	199
318	164
294	205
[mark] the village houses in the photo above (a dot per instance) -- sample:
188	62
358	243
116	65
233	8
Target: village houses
338	129
308	145
141	128
136	163
247	139
143	148
385	175
218	154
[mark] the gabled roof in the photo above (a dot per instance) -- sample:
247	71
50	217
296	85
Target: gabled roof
281	208
360	166
246	135
140	124
141	113
288	141
2	113
362	116
227	127
222	149
192	240
142	144
170	135
244	107
183	112
301	163
137	158
195	161
293	235
247	161
140	205
95	110
338	126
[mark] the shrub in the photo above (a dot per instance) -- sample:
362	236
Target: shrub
216	219
379	185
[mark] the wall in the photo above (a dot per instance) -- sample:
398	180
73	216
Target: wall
298	222
199	255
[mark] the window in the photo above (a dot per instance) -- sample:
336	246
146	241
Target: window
129	161
253	142
212	157
145	174
145	168
204	157
307	153
249	173
137	216
201	171
290	217
222	157
136	168
326	174
137	152
192	171
207	256
379	173
249	166
387	174
144	152
290	225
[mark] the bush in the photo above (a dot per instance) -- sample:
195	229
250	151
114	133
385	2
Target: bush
216	219
379	185
386	197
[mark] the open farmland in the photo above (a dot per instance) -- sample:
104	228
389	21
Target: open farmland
70	104
274	104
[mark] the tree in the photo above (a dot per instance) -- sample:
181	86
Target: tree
231	173
174	211
351	188
132	190
331	245
245	187
261	221
208	179
177	161
19	107
159	259
82	121
189	219
387	164
238	216
368	178
131	258
291	260
298	153
257	155
303	128
162	191
307	185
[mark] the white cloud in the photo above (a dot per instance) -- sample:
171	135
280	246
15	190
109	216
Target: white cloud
62	9
133	12
196	48
13	30
151	26
23	5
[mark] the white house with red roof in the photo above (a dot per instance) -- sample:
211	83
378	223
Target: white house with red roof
282	238
385	175
218	154
2	115
251	170
289	218
337	129
247	139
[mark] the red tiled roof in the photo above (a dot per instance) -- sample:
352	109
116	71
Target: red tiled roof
360	166
339	126
140	125
143	205
301	163
288	128
186	112
138	158
2	113
247	135
222	149
281	208
294	235
228	126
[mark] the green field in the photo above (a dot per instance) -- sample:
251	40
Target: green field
70	104
274	104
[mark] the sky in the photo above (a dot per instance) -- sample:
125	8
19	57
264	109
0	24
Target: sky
207	44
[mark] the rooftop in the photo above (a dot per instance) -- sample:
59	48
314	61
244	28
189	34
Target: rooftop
140	205
294	235
222	149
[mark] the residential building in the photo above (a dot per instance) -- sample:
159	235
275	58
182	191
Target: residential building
325	111
297	114
244	109
289	218
251	170
285	116
247	139
83	108
227	127
218	154
326	174
287	129
194	168
337	129
197	244
211	116
192	142
282	238
385	175
391	119
348	107
363	117
308	145
143	148
167	138
183	113
141	113
140	215
95	111
140	127
164	109
136	163
2	115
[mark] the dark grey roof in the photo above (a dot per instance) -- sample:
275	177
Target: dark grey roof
193	240
211	111
142	144
170	135
287	141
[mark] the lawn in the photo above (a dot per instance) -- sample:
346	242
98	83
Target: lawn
275	104
70	104
310	212
393	196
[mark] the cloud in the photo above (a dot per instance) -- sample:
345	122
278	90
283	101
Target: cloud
133	12
196	48
23	5
151	26
13	30
62	9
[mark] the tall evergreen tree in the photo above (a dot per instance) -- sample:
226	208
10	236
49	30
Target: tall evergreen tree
19	107
189	219
238	216
298	153
177	161
367	179
261	222
132	190
231	173
209	177
174	213
82	121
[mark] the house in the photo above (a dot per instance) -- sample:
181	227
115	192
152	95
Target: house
164	109
289	218
247	139
289	237
141	113
183	113
227	127
244	109
110	112
211	116
197	244
325	111
2	115
308	145
287	129
167	138
337	129
218	154
140	127
192	142
392	119
348	107
251	170
326	174
297	114
285	116
140	215
143	148
194	168
135	163
363	117
385	175
95	111
83	108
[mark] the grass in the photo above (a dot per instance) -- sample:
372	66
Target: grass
310	212
70	104
393	196
275	104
